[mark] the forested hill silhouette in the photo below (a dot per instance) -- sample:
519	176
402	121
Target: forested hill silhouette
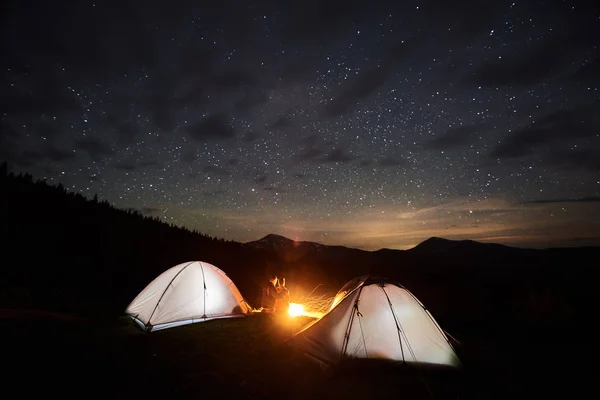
71	254
84	256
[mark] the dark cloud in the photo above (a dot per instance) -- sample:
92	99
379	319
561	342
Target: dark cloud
30	158
315	19
308	154
548	59
454	136
522	69
150	163
196	61
211	169
366	163
338	155
464	19
390	161
274	189
127	133
233	80
260	179
560	125
574	160
8	135
250	136
251	98
213	127
299	176
125	166
94	147
149	210
159	101
282	122
189	156
589	72
57	155
593	199
367	83
47	96
214	193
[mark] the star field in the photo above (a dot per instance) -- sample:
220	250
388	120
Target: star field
351	123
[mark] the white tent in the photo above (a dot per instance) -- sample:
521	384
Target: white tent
377	319
186	293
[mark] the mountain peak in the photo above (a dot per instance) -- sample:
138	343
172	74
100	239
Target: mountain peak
435	243
273	237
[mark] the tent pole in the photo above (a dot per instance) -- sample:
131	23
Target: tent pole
164	291
204	291
349	327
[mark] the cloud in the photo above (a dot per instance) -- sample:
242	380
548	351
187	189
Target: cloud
94	147
338	155
126	133
390	161
589	72
308	154
149	210
251	99
464	19
367	83
212	169
574	160
213	127
260	179
47	93
314	19
57	155
592	199
560	125
282	122
213	193
523	69
125	166
250	136
29	158
189	156
550	58
274	189
454	137
150	163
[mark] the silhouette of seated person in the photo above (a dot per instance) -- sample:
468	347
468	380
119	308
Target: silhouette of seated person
271	293
282	303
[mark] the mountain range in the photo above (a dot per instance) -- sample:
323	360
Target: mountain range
84	256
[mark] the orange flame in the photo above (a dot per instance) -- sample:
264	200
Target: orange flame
298	310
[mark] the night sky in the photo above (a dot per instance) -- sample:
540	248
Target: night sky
350	123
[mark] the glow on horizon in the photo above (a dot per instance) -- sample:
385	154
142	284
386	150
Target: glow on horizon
494	220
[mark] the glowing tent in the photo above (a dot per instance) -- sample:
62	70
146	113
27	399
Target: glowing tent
187	293
377	319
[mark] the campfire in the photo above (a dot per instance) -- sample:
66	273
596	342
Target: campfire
296	310
310	306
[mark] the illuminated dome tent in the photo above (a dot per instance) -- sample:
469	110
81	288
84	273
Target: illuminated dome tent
187	293
374	318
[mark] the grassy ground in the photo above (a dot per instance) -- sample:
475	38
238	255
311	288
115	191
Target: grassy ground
249	358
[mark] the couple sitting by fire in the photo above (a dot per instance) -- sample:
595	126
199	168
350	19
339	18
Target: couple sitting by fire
275	296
